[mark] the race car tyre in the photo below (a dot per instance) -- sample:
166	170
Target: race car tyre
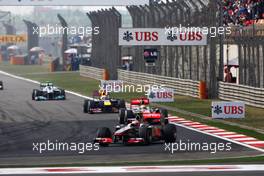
1	85
129	114
122	116
164	116
34	94
164	112
125	140
90	106
122	104
169	133
85	106
104	132
145	133
63	94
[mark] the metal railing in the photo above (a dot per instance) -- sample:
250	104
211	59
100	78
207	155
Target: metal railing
181	86
91	72
250	95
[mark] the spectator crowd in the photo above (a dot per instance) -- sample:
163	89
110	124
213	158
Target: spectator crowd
243	12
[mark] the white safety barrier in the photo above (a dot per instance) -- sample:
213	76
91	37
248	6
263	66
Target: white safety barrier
181	86
250	95
91	72
227	91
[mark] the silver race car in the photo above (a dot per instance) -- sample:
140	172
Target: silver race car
48	91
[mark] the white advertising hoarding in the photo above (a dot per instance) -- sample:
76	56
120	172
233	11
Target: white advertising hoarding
158	36
226	109
161	95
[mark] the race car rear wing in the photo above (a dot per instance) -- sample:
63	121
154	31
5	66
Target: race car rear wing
139	101
151	115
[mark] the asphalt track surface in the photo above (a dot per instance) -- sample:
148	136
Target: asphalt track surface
24	122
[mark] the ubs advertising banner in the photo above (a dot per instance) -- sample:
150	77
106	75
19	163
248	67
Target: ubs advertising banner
161	95
159	36
224	109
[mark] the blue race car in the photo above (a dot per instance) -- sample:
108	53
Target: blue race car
104	104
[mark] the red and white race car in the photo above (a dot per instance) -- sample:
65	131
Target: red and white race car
141	125
138	108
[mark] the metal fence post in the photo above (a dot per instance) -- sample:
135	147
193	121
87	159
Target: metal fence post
33	38
64	39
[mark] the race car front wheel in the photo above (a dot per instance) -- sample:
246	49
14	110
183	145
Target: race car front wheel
90	106
122	116
63	94
104	132
145	133
1	85
34	94
169	133
122	104
164	116
85	106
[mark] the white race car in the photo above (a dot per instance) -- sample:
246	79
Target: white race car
48	91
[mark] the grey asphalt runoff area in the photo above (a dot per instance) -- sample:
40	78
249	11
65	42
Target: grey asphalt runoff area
24	122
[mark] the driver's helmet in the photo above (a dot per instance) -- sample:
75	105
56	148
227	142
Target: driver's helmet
143	107
135	122
157	110
135	108
50	84
102	92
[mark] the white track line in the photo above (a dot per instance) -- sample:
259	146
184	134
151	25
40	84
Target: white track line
225	133
235	136
254	142
192	123
173	119
214	131
245	138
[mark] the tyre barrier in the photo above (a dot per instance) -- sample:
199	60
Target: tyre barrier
17	60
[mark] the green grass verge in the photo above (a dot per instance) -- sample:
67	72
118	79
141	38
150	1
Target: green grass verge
23	69
240	160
